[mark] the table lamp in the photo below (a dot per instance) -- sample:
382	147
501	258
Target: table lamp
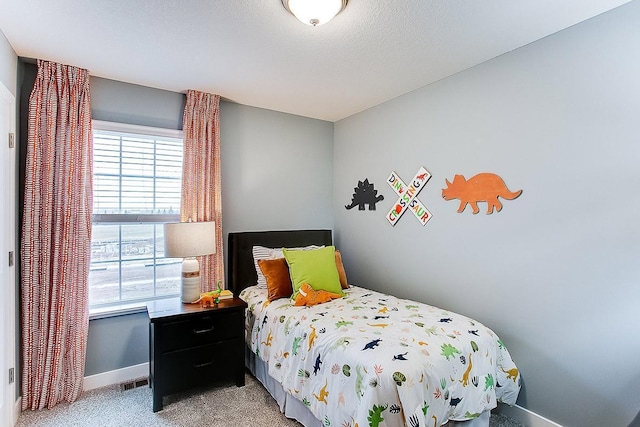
188	240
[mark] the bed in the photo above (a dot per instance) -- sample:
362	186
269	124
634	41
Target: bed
367	359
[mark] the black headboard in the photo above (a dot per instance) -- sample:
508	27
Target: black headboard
241	270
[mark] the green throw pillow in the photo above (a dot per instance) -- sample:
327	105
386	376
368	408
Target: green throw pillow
316	267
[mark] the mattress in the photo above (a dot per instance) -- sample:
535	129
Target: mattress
372	359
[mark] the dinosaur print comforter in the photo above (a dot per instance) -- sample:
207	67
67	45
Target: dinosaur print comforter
369	359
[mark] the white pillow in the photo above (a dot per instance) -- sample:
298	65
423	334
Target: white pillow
261	252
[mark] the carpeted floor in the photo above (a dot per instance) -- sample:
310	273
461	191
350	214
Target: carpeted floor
248	406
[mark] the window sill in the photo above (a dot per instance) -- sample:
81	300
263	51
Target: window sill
124	308
117	310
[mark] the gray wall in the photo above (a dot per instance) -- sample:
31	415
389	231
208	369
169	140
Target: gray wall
8	64
277	171
117	342
276	174
556	272
115	101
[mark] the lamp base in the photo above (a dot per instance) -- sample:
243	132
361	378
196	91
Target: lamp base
190	291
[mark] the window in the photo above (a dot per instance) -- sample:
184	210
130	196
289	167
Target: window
137	176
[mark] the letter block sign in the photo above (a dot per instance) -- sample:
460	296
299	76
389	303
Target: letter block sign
407	197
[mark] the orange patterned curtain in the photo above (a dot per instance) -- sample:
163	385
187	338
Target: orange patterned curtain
201	182
56	236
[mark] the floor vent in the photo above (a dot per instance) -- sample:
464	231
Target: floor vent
134	384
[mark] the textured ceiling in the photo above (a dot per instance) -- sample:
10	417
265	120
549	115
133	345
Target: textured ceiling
255	53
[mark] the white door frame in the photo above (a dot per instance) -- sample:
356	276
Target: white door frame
8	412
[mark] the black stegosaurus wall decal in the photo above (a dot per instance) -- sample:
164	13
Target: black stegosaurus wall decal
364	194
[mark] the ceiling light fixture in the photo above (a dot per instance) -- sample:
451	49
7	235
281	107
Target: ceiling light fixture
314	12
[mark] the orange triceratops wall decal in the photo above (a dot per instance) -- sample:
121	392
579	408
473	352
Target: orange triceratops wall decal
484	187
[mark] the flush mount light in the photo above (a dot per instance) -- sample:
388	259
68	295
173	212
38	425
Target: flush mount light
314	12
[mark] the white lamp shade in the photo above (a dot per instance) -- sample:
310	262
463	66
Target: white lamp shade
189	239
314	12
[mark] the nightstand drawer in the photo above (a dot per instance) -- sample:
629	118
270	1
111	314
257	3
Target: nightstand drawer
201	365
202	330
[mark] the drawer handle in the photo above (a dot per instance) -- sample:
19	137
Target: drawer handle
203	331
202	365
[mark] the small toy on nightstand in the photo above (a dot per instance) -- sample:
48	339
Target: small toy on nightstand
209	299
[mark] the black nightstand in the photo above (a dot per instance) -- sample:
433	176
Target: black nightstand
192	346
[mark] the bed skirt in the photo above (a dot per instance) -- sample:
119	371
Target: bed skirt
295	409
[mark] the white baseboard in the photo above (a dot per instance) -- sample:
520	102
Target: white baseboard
116	376
525	416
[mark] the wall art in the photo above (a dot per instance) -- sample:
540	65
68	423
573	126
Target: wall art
484	187
364	194
407	197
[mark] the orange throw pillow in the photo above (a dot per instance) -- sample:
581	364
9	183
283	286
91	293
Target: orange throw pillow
276	272
307	296
341	273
